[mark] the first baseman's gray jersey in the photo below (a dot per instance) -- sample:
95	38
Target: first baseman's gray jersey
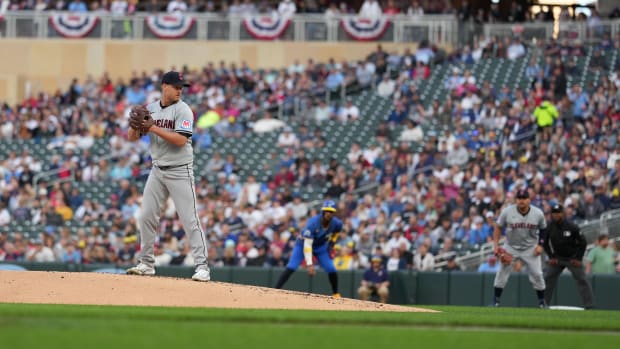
522	229
521	241
177	117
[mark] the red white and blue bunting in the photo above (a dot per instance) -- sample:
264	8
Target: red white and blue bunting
266	27
169	26
365	29
73	25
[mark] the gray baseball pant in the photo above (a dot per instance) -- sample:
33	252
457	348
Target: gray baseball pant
178	182
533	264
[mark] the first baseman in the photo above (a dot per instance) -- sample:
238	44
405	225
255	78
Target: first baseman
168	123
523	223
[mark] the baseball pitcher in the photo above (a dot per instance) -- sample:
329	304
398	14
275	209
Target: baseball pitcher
168	123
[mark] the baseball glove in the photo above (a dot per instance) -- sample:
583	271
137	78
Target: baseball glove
140	119
504	257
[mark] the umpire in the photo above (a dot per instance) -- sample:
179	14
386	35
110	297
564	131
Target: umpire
565	246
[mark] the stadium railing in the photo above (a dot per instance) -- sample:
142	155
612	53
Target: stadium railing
52	176
438	29
547	30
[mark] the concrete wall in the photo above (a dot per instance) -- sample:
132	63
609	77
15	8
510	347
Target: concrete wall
51	64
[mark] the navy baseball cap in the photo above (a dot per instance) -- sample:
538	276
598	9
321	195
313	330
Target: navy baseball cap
522	194
174	78
557	208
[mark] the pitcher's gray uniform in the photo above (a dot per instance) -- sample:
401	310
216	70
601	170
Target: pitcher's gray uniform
172	174
522	237
168	122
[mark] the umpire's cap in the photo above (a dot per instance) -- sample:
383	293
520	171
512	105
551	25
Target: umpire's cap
557	208
174	78
329	206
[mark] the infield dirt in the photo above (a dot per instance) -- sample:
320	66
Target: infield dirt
113	289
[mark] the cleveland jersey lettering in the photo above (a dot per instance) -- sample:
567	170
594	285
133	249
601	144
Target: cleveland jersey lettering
523	226
167	124
522	230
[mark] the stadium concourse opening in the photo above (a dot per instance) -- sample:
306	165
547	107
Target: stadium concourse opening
110	289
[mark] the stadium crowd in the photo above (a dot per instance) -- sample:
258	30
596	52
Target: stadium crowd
559	141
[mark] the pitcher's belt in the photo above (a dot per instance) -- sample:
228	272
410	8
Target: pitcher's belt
164	168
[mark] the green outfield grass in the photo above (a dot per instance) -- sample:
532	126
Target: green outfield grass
61	326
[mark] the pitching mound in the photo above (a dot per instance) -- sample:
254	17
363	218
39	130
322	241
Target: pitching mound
111	289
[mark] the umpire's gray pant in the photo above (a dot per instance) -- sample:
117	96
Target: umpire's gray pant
532	263
553	273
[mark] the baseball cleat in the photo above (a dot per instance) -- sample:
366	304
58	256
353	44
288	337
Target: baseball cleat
141	269
202	275
336	295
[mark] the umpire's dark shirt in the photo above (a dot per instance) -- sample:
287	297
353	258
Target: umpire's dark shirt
564	240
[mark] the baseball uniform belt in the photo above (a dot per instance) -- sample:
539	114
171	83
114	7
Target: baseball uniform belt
164	168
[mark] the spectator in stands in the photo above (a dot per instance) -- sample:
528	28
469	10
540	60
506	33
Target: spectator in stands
391	9
235	8
231	165
421	71
398	115
343	259
176	6
415	9
375	281
423	260
490	266
459	155
597	62
413	132
38	252
349	112
71	254
386	87
215	163
600	259
334	80
370	9
5	215
288	139
452	265
202	139
424	53
77	6
580	100
321	111
395	261
119	8
287	8
590	208
516	49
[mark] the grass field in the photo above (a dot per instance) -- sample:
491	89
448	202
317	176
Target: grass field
62	326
